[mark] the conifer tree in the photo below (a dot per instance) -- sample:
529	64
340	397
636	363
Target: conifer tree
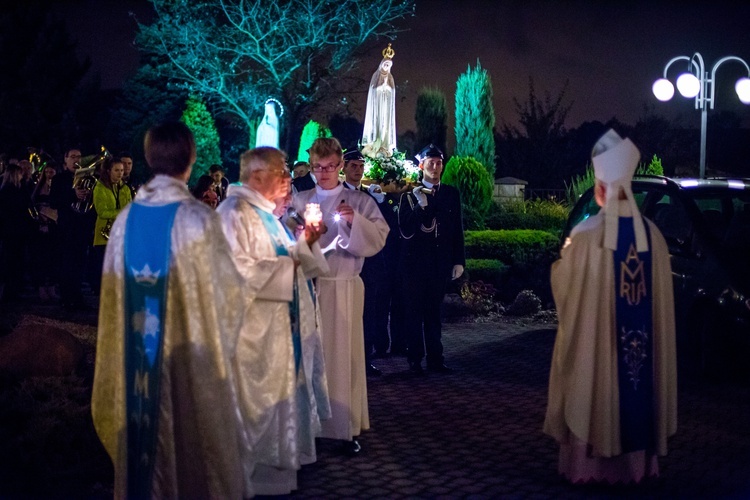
199	120
313	130
431	117
475	117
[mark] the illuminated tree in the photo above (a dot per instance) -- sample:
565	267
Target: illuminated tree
431	117
475	185
201	123
313	130
238	53
475	117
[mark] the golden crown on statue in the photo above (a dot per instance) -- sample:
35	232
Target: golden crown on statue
388	52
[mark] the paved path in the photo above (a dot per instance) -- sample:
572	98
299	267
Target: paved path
477	433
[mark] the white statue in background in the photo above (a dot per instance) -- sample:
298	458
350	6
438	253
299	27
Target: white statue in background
268	130
379	132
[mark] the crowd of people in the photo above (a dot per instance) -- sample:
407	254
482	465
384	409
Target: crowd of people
237	331
53	223
243	319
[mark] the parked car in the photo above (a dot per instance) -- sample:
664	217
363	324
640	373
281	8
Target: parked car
706	223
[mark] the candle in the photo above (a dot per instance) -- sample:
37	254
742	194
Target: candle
313	215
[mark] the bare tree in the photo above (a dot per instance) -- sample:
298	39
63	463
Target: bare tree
238	53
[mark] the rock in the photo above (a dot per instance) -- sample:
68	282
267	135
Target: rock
39	350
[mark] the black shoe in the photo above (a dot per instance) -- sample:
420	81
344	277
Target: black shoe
441	368
372	371
416	368
351	448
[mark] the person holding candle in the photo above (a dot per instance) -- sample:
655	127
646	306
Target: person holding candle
356	230
273	371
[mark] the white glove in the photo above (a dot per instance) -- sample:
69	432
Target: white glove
376	192
420	196
458	270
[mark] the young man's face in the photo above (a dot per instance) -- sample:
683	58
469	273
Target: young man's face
432	167
217	176
71	158
127	165
301	170
327	170
354	170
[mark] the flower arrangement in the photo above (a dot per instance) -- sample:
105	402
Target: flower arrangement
391	165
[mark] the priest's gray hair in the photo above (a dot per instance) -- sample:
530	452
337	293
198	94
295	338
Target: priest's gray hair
258	159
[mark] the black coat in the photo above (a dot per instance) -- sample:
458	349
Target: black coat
433	236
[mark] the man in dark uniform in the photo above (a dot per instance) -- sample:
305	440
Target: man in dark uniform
303	179
432	253
373	270
75	230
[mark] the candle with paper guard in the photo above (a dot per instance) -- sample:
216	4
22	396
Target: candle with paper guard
313	215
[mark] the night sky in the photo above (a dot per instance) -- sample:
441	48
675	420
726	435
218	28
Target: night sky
610	52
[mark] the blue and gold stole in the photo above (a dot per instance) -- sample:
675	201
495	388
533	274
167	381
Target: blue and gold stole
279	238
147	257
635	350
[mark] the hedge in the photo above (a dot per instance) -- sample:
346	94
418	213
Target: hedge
544	215
488	270
520	247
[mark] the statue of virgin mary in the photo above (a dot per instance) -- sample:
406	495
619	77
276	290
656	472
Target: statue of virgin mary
379	132
268	130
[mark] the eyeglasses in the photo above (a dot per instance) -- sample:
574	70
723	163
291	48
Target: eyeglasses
284	173
317	167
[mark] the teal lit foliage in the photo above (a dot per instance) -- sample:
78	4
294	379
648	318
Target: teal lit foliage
393	166
198	119
475	117
653	168
579	184
475	185
252	128
236	52
431	118
313	130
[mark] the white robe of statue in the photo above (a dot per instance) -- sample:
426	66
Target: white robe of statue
268	130
379	133
340	294
288	413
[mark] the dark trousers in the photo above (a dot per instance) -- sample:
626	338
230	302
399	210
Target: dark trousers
13	264
75	239
391	330
423	299
370	316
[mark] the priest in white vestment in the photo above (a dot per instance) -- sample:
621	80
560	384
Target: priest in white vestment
274	391
198	443
613	382
356	229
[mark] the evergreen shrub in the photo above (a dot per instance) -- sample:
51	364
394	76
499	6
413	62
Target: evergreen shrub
489	271
475	185
521	247
544	215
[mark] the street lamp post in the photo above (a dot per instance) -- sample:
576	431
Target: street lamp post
697	83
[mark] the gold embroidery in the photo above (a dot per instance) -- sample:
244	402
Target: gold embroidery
141	384
632	278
